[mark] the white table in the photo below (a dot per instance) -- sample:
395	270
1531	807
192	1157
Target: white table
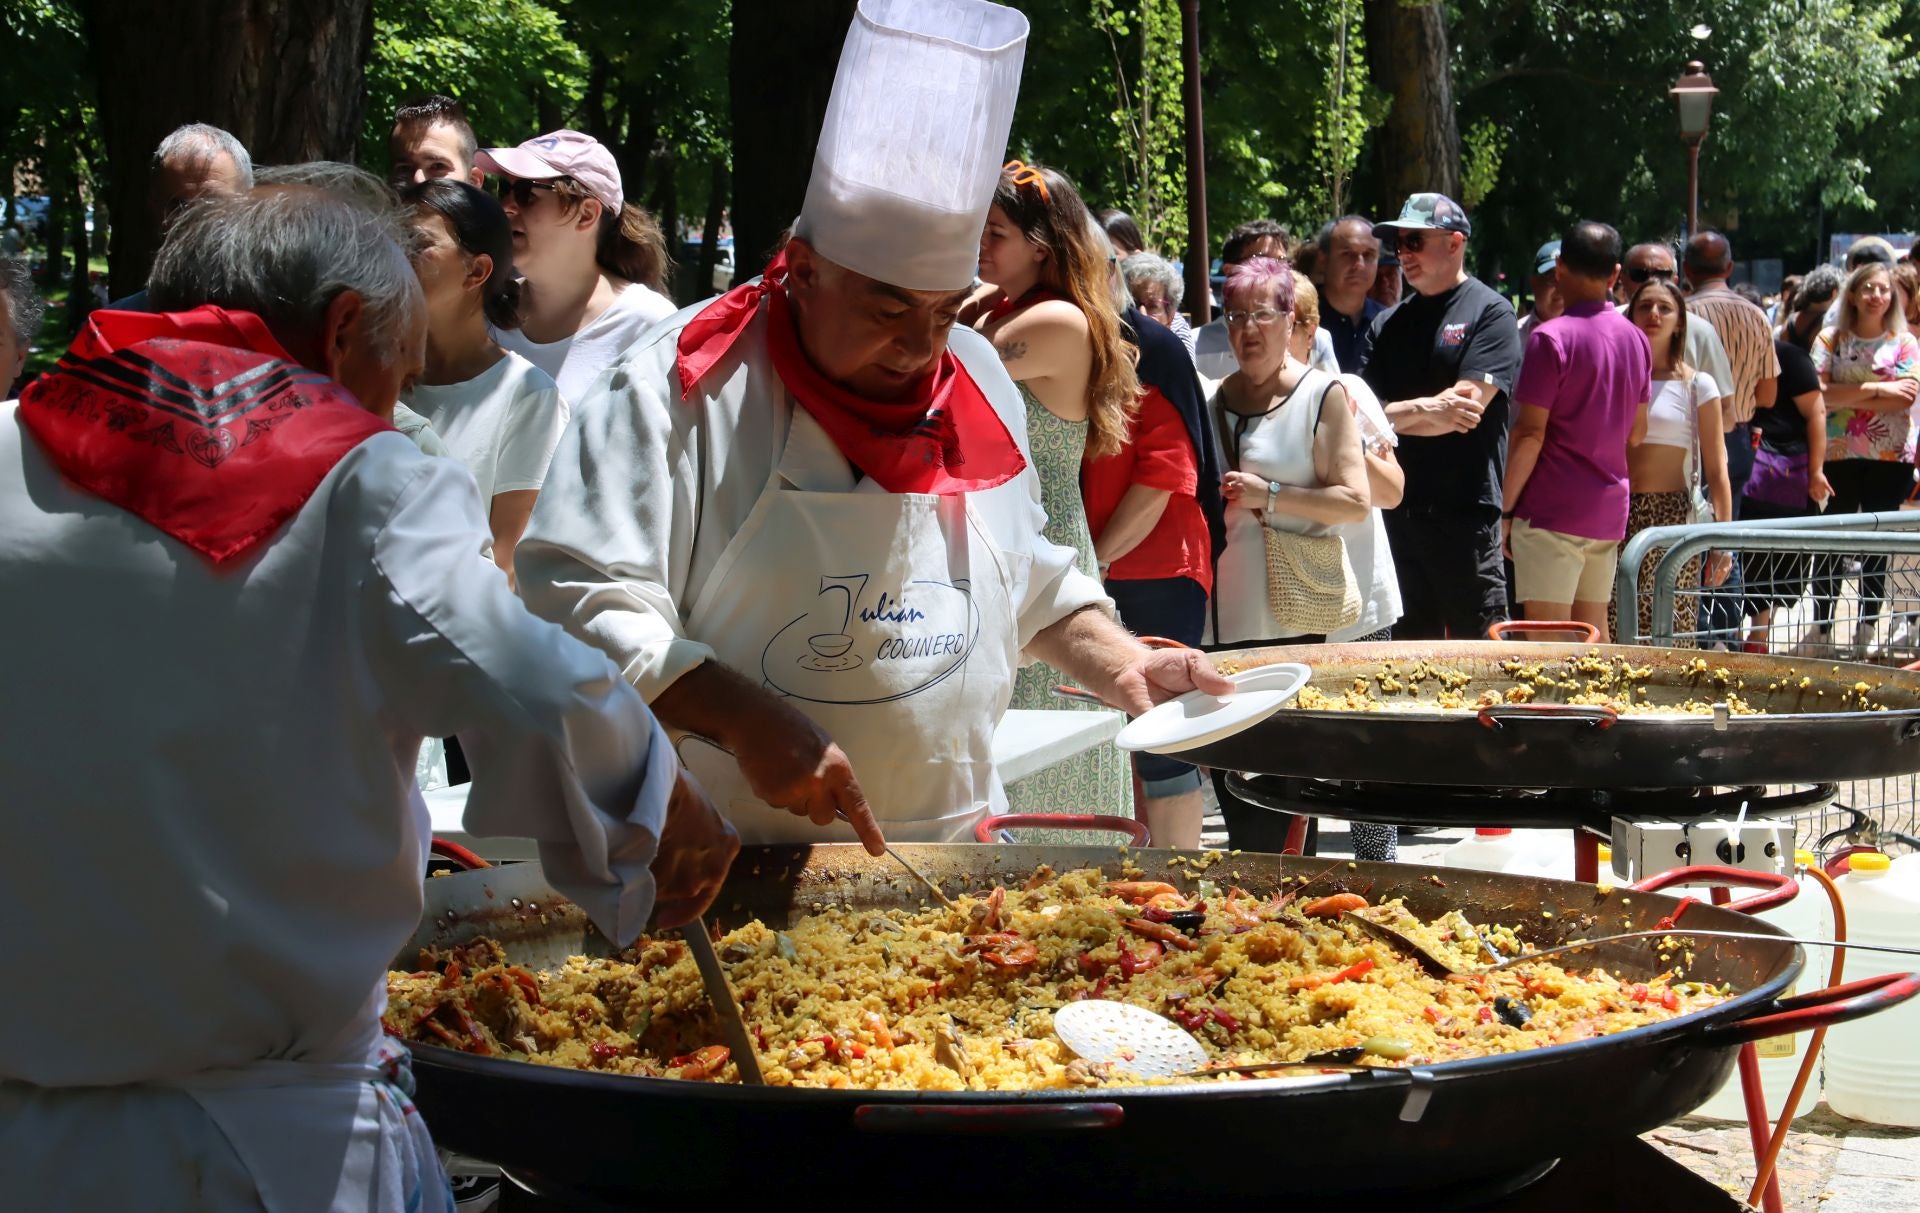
1025	742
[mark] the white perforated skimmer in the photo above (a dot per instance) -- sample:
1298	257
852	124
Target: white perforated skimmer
1132	1038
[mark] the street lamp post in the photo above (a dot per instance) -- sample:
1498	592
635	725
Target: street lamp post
1693	94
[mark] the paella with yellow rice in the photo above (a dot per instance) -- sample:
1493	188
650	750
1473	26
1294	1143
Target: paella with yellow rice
963	998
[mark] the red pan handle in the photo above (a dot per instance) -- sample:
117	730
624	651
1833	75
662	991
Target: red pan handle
1598	715
1820	1009
1780	889
1588	632
456	853
1137	830
987	1120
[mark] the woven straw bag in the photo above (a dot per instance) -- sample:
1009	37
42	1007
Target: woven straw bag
1310	586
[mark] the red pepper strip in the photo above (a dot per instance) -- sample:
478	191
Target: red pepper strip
1432	1014
1100	987
1190	1020
1486	1014
1639	993
526	982
1670	1000
451	977
1225	1020
1149	956
1313	981
1667	923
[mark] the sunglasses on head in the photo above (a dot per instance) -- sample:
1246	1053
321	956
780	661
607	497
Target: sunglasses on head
519	189
1024	174
1641	273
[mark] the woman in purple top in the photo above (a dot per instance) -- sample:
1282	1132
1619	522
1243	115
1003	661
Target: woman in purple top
1583	391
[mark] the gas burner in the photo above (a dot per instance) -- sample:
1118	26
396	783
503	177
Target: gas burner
1255	804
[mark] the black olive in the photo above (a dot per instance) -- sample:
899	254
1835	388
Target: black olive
1513	1014
1187	920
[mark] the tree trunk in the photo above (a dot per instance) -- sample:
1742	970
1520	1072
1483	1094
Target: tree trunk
710	233
79	284
1418	147
284	76
783	57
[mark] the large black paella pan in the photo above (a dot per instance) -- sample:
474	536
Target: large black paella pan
1434	1130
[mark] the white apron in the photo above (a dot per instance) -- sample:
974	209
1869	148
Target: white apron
888	619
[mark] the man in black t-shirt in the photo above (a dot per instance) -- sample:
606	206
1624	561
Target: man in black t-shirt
1443	362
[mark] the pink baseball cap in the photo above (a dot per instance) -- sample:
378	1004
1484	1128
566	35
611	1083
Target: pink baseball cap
560	153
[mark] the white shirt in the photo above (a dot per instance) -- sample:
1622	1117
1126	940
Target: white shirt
1368	554
1213	352
575	362
647	489
213	847
502	424
1673	417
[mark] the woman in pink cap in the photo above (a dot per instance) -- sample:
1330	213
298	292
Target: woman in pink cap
595	266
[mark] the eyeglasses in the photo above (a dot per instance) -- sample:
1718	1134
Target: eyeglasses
1412	242
1024	174
1261	316
1640	273
520	189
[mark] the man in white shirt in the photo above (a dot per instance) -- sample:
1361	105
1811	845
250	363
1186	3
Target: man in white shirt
235	601
803	519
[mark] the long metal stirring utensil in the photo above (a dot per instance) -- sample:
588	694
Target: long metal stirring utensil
912	871
720	994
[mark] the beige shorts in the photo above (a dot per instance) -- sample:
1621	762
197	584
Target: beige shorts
1551	566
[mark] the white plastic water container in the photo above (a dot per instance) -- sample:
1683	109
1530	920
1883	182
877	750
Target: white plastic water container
1873	1064
1810	916
1546	853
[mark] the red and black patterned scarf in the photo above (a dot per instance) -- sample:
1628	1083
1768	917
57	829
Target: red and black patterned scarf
197	422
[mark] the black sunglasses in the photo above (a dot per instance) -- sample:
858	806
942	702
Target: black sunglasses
1640	273
519	189
1411	241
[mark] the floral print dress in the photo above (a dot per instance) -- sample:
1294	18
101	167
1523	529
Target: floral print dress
1862	433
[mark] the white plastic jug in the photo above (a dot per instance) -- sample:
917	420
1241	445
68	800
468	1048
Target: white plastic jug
1810	916
1547	853
1873	1064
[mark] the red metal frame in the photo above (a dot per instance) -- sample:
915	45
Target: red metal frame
1132	827
456	853
1590	634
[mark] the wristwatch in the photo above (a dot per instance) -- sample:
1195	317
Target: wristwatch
1506	515
1273	495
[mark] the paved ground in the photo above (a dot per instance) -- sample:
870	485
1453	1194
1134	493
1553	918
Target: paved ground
1829	1164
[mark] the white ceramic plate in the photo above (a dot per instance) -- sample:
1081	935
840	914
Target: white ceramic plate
1197	718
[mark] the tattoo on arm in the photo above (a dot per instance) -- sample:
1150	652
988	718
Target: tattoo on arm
1011	351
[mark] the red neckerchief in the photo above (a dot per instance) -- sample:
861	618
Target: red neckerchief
196	421
1007	307
947	438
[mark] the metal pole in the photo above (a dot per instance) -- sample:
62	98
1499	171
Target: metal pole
1693	188
1199	260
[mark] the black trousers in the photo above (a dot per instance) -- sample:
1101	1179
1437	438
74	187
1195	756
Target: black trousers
1860	486
1453	580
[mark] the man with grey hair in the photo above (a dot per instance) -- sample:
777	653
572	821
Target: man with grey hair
192	162
1157	290
285	597
20	312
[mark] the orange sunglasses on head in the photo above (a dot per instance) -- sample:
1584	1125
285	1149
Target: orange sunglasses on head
1025	174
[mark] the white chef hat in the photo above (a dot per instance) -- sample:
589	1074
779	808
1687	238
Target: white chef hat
914	139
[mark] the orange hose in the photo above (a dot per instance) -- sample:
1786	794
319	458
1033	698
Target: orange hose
1812	1058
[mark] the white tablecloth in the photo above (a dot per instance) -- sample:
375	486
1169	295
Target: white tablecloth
1025	742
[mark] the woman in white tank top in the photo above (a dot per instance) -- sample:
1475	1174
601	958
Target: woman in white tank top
1663	470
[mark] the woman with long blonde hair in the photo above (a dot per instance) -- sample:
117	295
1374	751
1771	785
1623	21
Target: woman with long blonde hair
1048	307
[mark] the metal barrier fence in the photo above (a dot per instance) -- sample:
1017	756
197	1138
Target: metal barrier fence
1840	588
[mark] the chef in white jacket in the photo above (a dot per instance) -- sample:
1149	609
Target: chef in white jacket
802	519
233	601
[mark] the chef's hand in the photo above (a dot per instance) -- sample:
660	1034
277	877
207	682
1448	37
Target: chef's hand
697	847
1157	675
791	764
